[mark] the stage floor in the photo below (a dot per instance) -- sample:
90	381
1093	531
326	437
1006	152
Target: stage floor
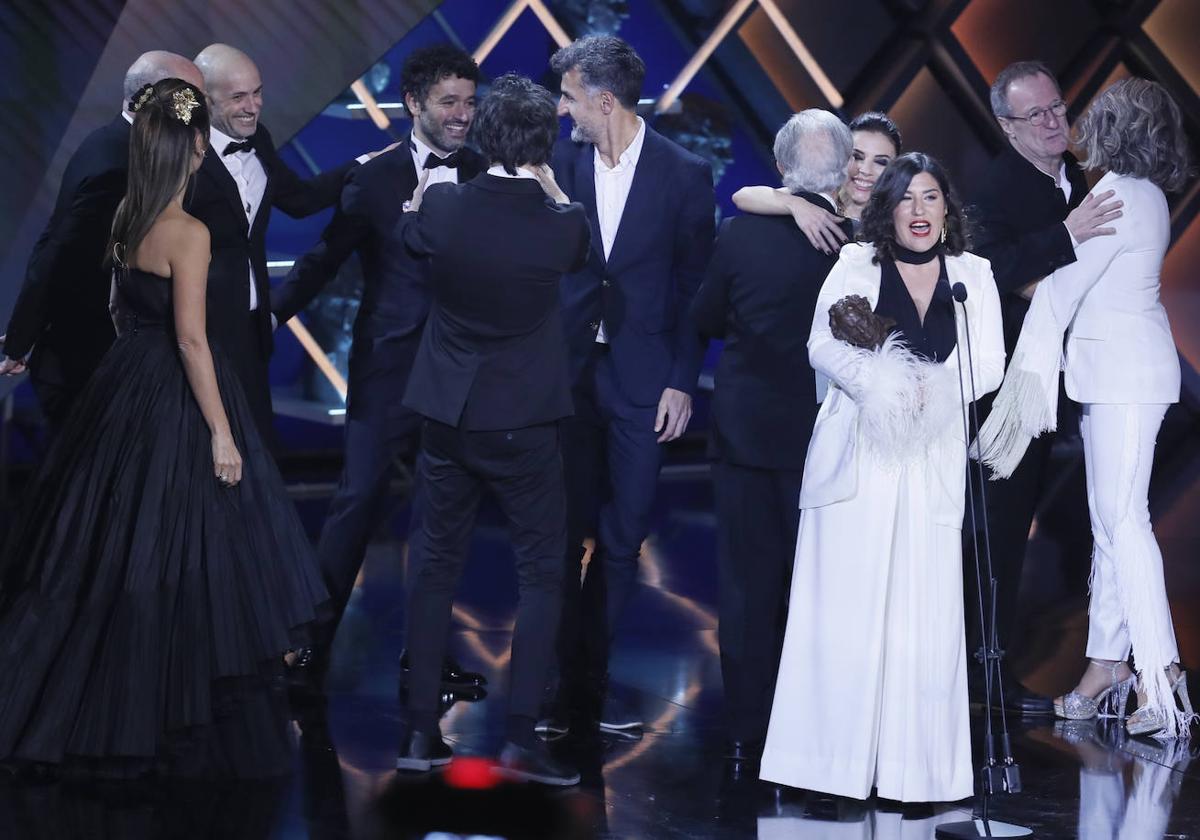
1081	780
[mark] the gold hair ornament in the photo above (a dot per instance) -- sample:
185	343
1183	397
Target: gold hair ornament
143	96
183	102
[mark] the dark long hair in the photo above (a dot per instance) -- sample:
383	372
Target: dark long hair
168	116
878	224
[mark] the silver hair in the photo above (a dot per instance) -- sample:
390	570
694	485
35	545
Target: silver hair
1135	128
813	149
1015	72
152	67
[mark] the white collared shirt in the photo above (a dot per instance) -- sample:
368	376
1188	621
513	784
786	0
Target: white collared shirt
440	175
499	172
612	191
251	179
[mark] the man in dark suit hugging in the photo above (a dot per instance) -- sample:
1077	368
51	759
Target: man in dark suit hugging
490	379
759	297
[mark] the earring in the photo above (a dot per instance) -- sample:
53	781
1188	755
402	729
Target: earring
943	231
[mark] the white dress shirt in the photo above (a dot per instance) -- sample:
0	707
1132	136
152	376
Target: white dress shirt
251	179
612	191
439	175
498	171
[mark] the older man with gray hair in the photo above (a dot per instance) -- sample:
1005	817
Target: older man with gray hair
759	296
60	324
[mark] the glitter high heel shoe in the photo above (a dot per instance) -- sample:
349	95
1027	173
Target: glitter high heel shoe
1109	703
1147	720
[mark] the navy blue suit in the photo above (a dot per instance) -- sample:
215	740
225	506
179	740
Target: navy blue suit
380	431
642	293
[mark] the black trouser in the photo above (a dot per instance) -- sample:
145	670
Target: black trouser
523	470
758	515
242	346
1011	506
380	433
612	459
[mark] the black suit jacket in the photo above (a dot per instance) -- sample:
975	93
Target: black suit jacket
1018	216
492	355
236	245
396	296
643	291
759	296
62	311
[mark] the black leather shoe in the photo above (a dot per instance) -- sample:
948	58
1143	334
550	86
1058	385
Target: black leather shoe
743	751
1022	701
421	751
527	764
453	674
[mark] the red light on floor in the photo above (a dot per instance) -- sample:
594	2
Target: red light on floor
470	774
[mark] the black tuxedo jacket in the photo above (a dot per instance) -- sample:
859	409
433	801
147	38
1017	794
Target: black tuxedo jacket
62	311
759	296
1018	216
235	244
643	291
492	354
396	296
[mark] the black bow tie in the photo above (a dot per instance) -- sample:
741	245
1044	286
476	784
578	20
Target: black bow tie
451	160
234	148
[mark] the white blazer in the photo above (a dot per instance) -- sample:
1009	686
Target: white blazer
831	470
1119	347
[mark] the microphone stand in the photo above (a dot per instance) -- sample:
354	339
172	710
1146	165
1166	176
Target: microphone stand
1003	776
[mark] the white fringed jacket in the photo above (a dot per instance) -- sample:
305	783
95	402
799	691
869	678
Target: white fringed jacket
882	405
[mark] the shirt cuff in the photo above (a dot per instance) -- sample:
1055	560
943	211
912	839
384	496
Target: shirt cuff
362	158
1074	241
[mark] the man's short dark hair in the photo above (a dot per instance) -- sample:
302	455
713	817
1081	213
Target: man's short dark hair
605	62
1012	73
516	124
425	67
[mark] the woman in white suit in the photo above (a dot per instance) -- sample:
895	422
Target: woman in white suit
872	688
1121	364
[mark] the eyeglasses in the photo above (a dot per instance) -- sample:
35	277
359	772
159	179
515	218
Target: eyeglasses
1038	115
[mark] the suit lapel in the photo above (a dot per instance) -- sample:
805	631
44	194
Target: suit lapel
213	169
642	192
585	193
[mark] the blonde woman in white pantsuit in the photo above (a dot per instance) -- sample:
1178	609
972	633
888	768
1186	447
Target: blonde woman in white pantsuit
1121	365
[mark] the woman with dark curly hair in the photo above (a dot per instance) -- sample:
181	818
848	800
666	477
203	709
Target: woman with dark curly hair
872	688
1121	365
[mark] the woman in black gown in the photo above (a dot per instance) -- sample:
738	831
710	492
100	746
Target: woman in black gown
158	570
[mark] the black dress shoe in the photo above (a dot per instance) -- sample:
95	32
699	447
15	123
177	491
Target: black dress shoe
421	751
530	764
743	751
453	674
1022	701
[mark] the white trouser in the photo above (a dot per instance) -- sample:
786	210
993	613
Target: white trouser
1129	596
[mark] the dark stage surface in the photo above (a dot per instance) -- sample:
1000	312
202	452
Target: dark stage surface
1082	780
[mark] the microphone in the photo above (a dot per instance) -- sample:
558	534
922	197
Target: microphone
993	776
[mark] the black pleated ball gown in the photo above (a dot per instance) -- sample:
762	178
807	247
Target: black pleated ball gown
144	606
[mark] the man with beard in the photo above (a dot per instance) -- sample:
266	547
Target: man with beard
1031	214
438	86
241	179
634	352
60	322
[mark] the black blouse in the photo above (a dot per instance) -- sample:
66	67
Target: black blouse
935	339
